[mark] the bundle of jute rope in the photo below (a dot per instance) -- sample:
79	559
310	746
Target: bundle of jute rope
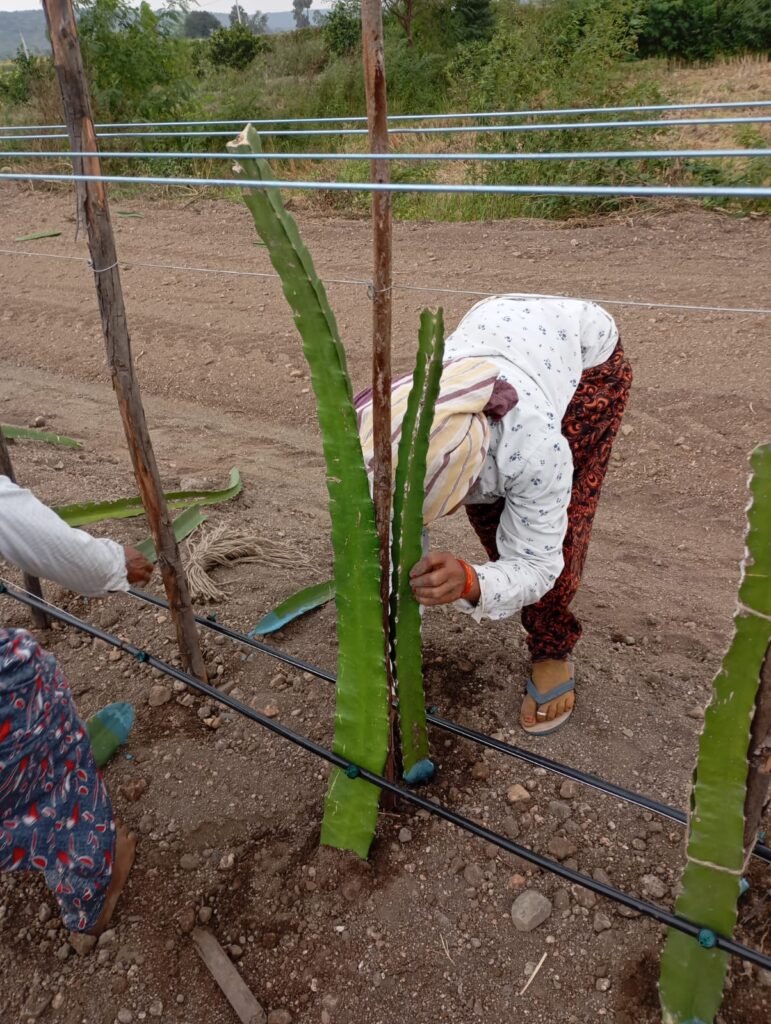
223	546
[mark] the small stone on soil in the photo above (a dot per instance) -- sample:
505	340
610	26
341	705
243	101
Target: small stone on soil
602	984
561	847
602	923
529	910
405	836
279	1017
517	794
653	885
474	875
559	810
125	1016
159	695
189	861
569	789
186	920
204	915
583	897
133	791
561	899
82	943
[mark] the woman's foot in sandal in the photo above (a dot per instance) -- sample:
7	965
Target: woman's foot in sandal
547	677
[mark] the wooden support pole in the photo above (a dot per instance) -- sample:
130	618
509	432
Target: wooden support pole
31	583
93	209
377	122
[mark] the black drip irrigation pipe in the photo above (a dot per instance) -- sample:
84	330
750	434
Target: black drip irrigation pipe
465	732
706	937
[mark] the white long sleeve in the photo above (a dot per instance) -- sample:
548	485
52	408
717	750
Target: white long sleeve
529	536
33	537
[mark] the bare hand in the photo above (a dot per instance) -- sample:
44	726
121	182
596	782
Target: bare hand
138	568
439	578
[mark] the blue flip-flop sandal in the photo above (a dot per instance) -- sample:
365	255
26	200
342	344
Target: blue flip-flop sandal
544	728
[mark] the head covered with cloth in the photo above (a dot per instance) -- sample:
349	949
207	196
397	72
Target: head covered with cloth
470	396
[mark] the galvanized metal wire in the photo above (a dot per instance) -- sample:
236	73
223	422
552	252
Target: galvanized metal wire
633	191
430	130
453	116
623	154
424	288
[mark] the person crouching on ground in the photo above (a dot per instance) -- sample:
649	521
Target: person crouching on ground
531	397
55	813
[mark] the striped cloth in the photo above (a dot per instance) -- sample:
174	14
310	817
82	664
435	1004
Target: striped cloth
470	394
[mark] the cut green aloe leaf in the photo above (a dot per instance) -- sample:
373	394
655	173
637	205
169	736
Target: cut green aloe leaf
298	604
38	234
82	513
409	492
692	977
361	723
183	526
31	434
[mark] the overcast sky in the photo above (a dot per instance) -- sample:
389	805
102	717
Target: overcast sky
250	6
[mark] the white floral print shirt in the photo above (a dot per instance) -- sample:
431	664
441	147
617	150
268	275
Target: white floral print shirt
541	345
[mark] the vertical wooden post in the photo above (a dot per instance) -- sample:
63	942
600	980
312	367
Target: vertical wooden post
94	210
31	583
377	121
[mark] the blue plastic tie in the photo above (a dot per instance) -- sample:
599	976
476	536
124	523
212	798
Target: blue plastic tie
744	886
707	938
212	617
352	771
433	710
141	655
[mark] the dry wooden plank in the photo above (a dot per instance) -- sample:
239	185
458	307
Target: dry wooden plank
235	989
93	208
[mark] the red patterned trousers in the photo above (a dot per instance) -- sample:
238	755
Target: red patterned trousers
590	425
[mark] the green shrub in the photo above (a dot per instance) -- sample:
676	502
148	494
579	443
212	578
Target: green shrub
24	72
235	47
137	67
342	27
700	30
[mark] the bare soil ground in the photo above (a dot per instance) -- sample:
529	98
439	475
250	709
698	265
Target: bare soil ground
422	932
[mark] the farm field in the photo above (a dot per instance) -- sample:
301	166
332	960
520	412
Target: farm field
423	931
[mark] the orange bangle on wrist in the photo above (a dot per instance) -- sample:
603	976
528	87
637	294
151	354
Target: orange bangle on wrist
470	579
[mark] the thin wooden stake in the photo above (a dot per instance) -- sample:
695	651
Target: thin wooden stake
31	583
233	986
93	209
377	122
